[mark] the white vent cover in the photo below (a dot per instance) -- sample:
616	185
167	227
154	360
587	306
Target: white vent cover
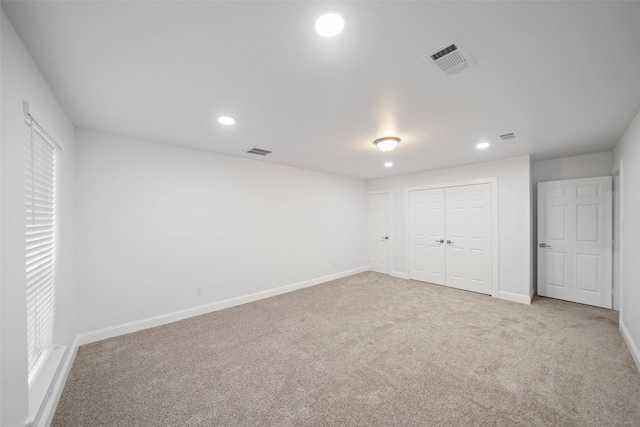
508	136
258	151
450	58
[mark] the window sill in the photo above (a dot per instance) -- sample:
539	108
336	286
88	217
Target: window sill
42	387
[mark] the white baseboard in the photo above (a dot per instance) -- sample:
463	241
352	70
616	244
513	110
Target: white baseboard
510	296
633	348
46	414
42	381
399	274
163	319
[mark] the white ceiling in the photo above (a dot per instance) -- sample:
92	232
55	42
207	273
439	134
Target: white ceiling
564	75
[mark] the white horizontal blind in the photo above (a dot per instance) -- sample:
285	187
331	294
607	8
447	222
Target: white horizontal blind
40	191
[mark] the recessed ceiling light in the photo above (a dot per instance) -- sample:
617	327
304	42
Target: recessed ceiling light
330	24
483	145
226	120
388	164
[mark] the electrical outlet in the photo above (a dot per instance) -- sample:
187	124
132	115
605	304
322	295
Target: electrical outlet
199	290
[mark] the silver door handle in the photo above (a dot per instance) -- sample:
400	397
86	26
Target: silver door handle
439	241
544	245
449	242
385	238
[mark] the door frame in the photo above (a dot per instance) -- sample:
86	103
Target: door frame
390	228
493	181
618	222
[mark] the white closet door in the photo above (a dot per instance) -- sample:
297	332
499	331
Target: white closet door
426	236
574	240
468	237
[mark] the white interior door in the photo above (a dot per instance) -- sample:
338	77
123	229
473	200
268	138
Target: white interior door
574	240
468	237
427	236
378	231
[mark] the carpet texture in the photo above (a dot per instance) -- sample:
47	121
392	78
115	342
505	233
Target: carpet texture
366	350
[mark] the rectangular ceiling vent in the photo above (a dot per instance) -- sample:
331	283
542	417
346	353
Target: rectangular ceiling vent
450	58
258	151
508	136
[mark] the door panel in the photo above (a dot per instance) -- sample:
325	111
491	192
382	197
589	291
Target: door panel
468	231
587	267
556	267
476	263
419	258
455	264
436	255
555	222
378	232
455	223
426	230
574	240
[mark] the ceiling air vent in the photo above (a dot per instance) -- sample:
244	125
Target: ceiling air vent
508	136
258	151
450	58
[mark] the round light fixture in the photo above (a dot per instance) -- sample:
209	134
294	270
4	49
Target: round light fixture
483	145
388	165
387	143
330	24
225	120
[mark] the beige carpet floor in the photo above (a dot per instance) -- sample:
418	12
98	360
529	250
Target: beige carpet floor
366	350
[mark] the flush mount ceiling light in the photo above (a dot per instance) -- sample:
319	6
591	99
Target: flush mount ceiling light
387	143
483	145
388	165
226	120
330	24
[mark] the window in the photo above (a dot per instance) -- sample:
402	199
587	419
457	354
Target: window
40	237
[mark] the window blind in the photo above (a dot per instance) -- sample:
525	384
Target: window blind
40	238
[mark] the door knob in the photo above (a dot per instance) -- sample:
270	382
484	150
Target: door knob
385	238
544	245
449	242
439	241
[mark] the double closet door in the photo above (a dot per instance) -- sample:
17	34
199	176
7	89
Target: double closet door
450	236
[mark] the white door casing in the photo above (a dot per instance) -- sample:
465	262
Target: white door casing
574	240
460	217
618	243
378	231
427	236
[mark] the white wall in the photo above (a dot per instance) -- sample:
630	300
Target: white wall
628	152
576	167
156	221
22	81
514	226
